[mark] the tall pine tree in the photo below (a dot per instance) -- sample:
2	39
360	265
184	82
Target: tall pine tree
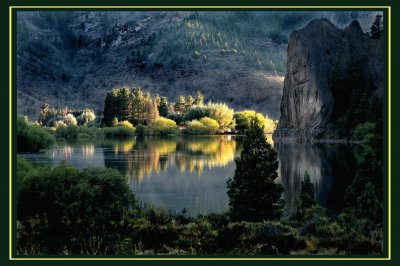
253	193
377	27
163	108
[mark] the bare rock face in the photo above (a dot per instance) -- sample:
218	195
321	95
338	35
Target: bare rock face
313	52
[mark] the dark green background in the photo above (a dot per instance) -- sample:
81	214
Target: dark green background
4	122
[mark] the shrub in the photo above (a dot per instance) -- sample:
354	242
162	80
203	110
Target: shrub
32	138
196	112
70	119
126	124
195	127
178	118
244	118
81	207
211	124
86	116
118	132
73	132
162	126
222	114
205	126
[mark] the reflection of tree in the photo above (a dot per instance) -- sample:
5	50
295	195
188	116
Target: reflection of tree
141	157
88	150
329	166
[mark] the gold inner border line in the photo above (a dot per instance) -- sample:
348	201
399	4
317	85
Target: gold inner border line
388	8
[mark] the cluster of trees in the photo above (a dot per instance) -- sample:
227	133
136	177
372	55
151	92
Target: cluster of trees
140	108
54	118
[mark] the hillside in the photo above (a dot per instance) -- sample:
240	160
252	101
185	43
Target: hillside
72	59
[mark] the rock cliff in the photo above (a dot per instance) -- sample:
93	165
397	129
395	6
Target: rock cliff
329	71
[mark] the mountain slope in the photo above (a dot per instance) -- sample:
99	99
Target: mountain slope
72	58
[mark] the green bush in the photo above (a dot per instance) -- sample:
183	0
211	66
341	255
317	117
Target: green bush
162	126
74	132
178	118
126	124
118	132
244	118
82	209
222	114
32	138
205	126
195	127
196	113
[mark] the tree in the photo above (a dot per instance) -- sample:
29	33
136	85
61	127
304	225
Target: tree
109	109
137	106
180	105
124	104
157	100
196	112
377	27
86	116
222	113
253	193
306	199
198	101
189	103
118	103
163	108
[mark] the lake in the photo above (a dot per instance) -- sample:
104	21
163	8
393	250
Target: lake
190	172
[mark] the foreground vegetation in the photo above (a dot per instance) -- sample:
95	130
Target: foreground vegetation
66	211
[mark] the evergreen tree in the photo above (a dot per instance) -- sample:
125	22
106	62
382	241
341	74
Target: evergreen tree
253	193
199	100
118	103
306	199
377	27
124	104
189	103
163	108
180	105
44	114
137	106
109	109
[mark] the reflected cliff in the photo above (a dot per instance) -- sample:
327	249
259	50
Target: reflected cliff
330	166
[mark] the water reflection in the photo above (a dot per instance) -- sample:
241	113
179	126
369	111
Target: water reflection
330	167
140	158
191	171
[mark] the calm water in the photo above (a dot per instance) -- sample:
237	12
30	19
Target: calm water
191	172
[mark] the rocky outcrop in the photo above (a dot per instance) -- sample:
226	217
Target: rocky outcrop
314	54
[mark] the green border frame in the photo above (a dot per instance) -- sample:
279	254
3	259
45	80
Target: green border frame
385	6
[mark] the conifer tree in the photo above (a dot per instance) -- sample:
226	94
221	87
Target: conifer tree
306	199
199	100
163	109
180	105
377	27
253	193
